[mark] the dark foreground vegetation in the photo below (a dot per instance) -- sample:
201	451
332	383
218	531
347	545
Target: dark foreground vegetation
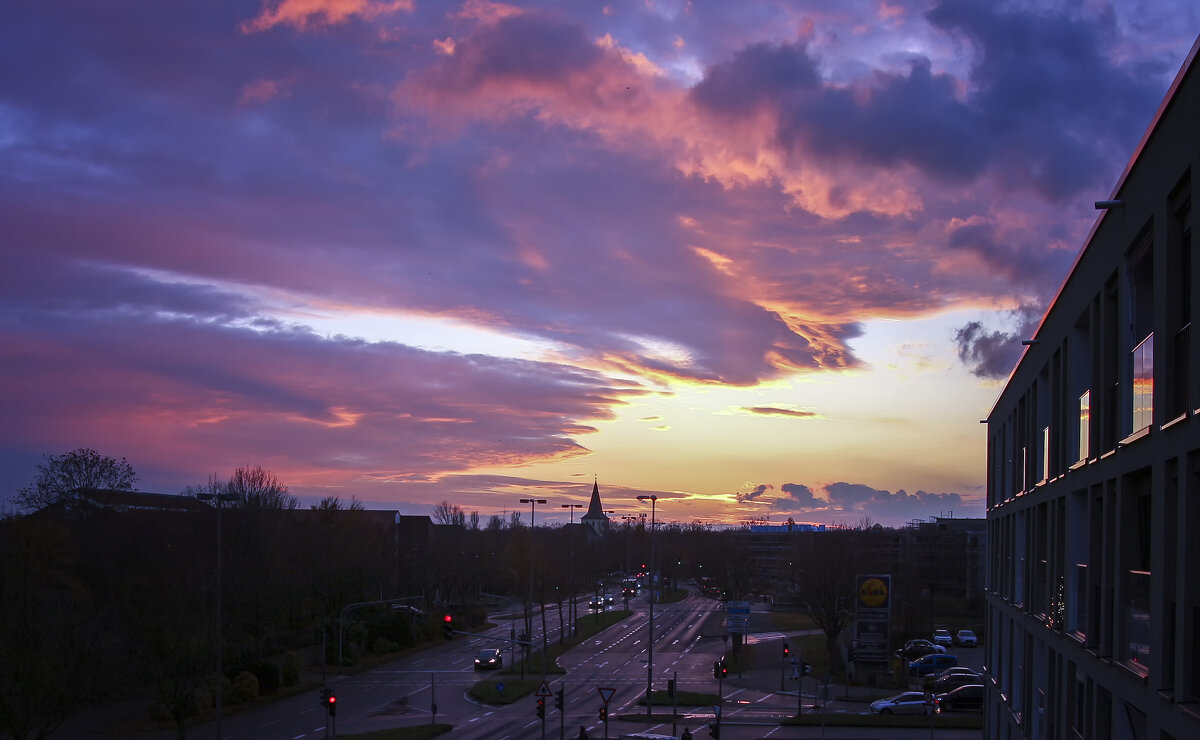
104	598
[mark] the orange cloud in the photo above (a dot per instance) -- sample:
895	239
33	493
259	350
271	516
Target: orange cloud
302	14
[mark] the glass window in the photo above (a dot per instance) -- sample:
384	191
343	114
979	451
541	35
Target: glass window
1143	384
1079	618
1137	619
1085	424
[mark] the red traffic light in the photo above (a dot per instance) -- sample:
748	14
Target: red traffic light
447	619
332	699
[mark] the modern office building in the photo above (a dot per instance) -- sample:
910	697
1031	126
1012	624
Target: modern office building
1093	604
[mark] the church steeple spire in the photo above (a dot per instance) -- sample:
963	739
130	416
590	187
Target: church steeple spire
595	518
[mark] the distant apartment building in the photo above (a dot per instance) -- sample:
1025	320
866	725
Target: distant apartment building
1093	486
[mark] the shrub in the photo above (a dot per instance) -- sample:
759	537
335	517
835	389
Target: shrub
290	672
267	674
245	688
383	646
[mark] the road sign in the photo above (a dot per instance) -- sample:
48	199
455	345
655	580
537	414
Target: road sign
606	695
544	690
716	710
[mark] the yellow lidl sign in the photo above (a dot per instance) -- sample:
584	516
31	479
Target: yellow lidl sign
873	593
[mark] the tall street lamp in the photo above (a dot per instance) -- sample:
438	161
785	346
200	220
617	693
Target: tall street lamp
571	613
650	647
529	612
220	498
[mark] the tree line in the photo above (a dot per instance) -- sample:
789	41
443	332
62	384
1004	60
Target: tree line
99	604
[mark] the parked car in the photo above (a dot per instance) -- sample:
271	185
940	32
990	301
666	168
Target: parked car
952	681
942	637
967	698
932	663
910	702
953	670
967	638
488	659
914	649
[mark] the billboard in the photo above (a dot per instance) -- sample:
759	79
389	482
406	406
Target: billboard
872	617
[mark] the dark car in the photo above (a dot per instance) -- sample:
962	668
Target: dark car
932	663
951	681
488	659
967	698
914	649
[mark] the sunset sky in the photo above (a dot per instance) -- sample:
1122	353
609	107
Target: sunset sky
761	259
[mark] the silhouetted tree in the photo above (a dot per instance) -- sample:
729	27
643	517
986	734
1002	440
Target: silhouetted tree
60	476
448	513
257	488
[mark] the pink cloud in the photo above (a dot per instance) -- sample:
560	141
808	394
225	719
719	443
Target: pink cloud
262	91
305	14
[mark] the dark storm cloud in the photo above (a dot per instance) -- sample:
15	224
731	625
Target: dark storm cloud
1045	82
798	496
993	354
856	497
757	76
754	495
1036	108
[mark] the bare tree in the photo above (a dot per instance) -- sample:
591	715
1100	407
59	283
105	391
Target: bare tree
473	520
257	488
448	513
60	476
495	523
334	503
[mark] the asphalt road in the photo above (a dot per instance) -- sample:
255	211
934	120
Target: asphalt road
614	664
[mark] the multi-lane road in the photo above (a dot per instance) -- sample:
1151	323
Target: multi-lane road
614	663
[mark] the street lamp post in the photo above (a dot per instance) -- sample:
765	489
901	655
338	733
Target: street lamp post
529	618
220	499
571	612
650	647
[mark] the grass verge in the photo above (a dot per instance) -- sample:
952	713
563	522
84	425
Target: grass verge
515	688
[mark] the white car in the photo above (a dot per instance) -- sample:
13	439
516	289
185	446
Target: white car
942	637
967	638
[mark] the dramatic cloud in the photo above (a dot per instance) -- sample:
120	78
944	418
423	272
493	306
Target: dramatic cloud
384	247
993	354
752	495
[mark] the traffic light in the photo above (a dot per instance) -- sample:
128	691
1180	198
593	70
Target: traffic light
724	670
671	687
329	701
786	650
603	714
558	700
541	707
448	627
717	669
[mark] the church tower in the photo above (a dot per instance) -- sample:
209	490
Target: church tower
595	519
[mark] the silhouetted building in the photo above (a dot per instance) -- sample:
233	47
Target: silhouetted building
1093	616
595	520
